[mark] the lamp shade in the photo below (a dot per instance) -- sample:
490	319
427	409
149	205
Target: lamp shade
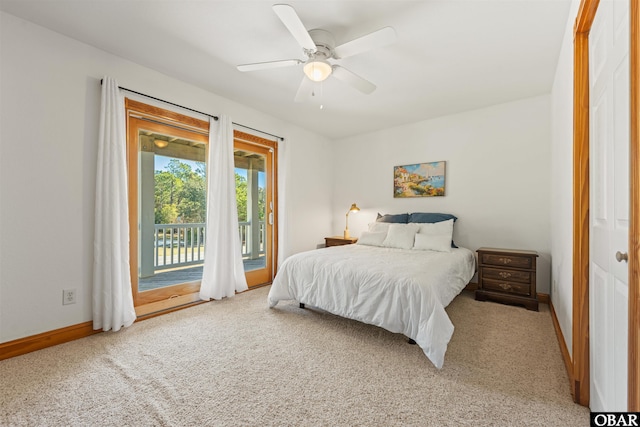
354	208
317	70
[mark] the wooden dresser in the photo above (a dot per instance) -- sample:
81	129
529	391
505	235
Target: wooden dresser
339	241
507	276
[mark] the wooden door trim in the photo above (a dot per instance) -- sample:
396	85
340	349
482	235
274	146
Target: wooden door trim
581	380
633	395
168	117
580	345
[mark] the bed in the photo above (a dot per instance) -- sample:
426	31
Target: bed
384	281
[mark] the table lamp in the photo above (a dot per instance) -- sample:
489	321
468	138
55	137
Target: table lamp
353	208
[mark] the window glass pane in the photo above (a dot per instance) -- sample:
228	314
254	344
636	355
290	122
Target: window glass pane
251	196
171	209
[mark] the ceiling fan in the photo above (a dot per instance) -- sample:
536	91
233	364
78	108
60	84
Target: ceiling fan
319	48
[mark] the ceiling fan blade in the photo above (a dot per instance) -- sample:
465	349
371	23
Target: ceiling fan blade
268	65
364	86
379	38
304	90
291	20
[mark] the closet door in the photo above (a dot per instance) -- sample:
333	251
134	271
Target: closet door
609	205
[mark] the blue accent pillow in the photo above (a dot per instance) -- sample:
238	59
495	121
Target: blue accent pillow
396	219
428	217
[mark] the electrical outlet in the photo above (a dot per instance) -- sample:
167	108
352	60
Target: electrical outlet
68	296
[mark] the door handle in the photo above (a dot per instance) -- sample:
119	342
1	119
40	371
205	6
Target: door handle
271	218
622	256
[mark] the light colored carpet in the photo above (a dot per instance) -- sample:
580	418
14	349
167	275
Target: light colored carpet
238	363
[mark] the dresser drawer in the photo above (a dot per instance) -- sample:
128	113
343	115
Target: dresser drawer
506	286
508	275
512	261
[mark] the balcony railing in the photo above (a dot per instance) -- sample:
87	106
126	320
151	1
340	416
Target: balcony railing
245	238
180	245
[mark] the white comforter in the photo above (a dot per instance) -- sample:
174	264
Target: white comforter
403	291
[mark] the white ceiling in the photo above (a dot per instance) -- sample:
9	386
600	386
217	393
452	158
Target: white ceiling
450	55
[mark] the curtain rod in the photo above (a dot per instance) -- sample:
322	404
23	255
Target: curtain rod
195	111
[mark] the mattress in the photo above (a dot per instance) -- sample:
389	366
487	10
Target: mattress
402	291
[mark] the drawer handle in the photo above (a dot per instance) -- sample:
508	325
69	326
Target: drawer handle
504	274
504	286
504	260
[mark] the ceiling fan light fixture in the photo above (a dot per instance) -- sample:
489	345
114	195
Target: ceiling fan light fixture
317	70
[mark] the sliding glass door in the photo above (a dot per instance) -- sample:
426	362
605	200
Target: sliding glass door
167	209
254	160
166	158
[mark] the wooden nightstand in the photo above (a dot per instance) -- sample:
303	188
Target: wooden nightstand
339	241
507	276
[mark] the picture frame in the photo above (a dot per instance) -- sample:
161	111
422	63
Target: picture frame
419	180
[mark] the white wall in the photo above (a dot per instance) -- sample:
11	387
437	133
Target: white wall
497	176
562	183
48	133
1	208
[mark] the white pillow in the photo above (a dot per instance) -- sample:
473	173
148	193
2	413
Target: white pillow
400	236
379	226
425	242
371	238
435	236
437	228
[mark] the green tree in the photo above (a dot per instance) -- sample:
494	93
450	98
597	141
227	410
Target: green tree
192	206
262	202
167	187
180	193
241	197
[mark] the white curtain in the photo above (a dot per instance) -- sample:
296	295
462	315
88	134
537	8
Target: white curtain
283	205
112	298
223	272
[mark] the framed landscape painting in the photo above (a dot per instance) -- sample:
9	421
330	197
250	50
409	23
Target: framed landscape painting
419	180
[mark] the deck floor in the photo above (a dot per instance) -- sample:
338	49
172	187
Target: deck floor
190	274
